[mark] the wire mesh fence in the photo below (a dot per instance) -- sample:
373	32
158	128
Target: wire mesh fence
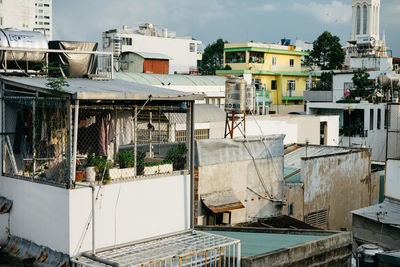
114	142
124	142
35	138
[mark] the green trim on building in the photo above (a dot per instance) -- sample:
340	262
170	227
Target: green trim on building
266	50
264	72
292	98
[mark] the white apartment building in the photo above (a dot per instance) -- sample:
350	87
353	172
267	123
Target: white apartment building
185	52
33	15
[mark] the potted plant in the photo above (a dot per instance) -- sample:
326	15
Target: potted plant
157	167
177	155
80	172
90	167
126	161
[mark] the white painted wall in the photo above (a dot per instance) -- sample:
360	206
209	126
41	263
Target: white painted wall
338	82
392	179
176	48
297	128
39	212
125	212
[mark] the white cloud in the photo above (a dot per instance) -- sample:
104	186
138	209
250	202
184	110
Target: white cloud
332	13
267	7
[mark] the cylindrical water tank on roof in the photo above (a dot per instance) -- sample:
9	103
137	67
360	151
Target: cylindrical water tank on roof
250	98
235	95
165	32
366	255
22	39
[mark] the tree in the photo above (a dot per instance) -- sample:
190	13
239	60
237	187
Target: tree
327	52
213	57
361	82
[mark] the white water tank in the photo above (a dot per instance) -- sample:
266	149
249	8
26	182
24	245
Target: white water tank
164	33
22	39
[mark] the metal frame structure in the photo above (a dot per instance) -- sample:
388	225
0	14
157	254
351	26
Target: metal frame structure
55	51
191	248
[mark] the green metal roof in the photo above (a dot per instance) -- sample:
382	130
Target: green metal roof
152	55
170	79
296	178
258	243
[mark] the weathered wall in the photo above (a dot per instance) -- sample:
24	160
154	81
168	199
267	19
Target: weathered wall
334	250
230	167
339	183
294	195
370	231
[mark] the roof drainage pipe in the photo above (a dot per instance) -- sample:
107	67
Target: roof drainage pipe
93	214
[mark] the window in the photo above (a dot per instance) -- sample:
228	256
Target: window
126	41
235	57
291	85
378	122
256	57
273	85
1	20
46	17
46	5
273	61
353	123
46	23
358	20
291	63
192	47
291	209
180	136
371	119
257	83
365	19
40	11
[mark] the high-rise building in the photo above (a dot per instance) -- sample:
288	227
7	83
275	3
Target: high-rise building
27	15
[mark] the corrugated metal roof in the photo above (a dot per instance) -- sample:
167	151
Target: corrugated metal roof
104	90
152	55
171	79
293	159
387	212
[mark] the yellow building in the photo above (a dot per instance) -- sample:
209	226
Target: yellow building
277	67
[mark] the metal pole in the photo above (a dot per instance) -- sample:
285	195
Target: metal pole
263	103
135	140
192	165
93	214
34	137
75	144
239	255
112	66
69	141
2	120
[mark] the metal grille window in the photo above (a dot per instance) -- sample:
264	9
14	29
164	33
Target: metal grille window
273	61
126	41
317	218
180	136
291	63
192	47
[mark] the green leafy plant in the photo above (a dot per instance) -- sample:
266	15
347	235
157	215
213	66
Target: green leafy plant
157	163
177	154
125	159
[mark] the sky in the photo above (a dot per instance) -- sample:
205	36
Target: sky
233	20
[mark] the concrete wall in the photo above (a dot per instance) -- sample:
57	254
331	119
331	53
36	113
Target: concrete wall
239	175
332	134
297	128
229	167
373	232
294	195
392	179
125	212
339	183
284	109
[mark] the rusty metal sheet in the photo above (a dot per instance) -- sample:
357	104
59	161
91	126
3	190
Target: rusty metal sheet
40	256
221	201
5	205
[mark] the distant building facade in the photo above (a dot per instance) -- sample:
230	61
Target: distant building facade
273	66
33	15
185	52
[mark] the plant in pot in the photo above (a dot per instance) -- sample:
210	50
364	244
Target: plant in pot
80	171
102	167
158	167
177	154
126	161
90	166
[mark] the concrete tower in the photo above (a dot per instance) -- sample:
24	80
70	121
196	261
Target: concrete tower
366	18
